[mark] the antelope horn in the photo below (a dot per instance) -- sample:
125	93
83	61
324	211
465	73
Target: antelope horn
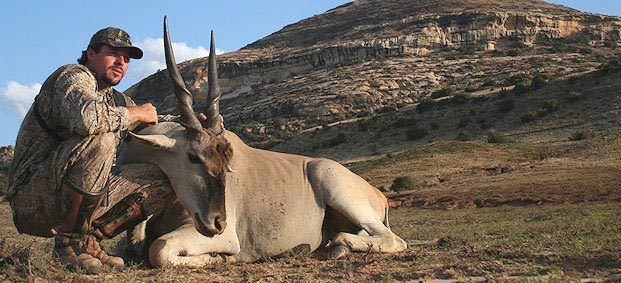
184	97
212	110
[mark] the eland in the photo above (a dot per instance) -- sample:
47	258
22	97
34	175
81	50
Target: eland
238	203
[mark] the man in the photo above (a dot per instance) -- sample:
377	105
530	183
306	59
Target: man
62	176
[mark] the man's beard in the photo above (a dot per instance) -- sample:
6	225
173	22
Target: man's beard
109	81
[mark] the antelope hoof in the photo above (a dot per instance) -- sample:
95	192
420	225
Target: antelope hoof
338	252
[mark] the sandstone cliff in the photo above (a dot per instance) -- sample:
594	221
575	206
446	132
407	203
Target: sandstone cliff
371	57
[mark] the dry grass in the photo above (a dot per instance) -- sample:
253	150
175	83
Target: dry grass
504	212
567	242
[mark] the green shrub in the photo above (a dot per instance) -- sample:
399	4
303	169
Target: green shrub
520	79
506	105
434	125
403	183
404	122
4	182
580	135
486	125
340	138
464	136
551	105
573	96
443	93
611	66
538	82
496	137
463	122
460	98
387	109
425	104
416	133
530	116
470	89
490	82
521	88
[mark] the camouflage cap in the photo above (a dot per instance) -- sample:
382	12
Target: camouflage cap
116	37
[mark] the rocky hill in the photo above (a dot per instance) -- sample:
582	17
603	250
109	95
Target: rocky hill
6	155
369	61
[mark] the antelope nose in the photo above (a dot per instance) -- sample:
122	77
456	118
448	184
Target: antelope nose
219	224
214	225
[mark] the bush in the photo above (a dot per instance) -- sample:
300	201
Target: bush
4	182
611	66
404	122
551	105
434	125
530	116
506	105
486	125
403	183
460	98
520	79
464	136
425	104
463	122
470	89
338	139
416	133
443	93
521	88
573	96
496	137
490	82
580	135
386	109
538	82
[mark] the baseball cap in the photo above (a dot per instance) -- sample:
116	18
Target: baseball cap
116	37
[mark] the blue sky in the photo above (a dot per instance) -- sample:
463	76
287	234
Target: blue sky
40	36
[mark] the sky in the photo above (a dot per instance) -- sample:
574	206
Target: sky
40	36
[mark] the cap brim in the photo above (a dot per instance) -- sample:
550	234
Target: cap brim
134	52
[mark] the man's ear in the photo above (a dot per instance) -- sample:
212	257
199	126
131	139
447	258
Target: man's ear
90	53
159	141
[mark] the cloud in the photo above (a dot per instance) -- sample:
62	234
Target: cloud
153	59
16	98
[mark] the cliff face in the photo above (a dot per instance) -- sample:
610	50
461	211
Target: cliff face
6	156
366	57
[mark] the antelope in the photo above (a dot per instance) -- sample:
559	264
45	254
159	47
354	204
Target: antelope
238	203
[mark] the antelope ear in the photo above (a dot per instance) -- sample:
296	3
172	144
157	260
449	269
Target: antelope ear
160	141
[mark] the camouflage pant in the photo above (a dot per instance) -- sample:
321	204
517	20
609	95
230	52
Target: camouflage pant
88	160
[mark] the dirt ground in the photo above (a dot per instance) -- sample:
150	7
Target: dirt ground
522	213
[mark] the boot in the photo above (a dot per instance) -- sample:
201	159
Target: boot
118	219
68	246
91	244
93	248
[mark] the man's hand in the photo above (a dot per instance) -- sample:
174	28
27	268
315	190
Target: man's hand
201	117
145	114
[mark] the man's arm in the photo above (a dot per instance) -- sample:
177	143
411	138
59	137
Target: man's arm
145	114
79	108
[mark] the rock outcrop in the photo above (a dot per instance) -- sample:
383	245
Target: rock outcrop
6	156
368	57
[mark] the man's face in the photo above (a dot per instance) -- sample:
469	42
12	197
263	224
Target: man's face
109	64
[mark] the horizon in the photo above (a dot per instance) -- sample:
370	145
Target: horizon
42	41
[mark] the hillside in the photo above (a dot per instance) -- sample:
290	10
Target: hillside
367	58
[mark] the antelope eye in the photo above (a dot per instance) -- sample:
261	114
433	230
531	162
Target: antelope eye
193	158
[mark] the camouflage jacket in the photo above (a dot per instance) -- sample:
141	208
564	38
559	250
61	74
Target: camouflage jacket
73	107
